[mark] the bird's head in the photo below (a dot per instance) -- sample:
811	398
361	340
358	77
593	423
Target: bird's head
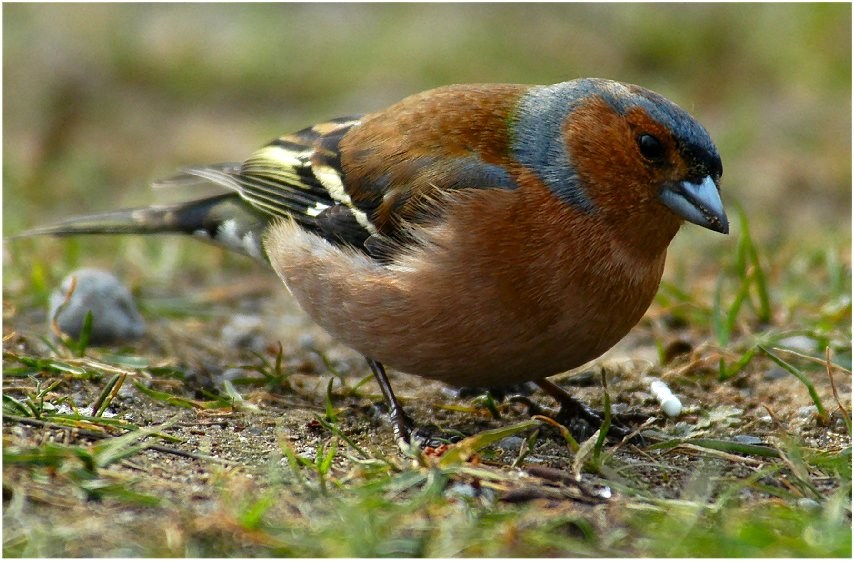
604	146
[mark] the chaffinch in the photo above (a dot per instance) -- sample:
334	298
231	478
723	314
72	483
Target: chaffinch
479	234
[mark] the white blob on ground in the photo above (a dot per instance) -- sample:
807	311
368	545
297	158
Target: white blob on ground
670	404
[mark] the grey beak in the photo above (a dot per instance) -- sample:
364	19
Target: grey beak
699	203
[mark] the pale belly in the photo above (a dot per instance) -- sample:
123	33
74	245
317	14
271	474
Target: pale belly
457	319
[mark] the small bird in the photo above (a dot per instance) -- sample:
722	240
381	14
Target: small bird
476	234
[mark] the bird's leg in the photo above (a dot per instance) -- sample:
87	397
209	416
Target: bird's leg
400	421
405	430
571	408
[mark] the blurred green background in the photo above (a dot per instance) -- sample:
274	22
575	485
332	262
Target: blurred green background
101	99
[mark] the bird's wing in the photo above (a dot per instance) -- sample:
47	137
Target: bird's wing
363	180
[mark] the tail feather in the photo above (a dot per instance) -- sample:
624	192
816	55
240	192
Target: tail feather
224	220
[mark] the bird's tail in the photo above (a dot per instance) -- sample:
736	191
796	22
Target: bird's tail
224	220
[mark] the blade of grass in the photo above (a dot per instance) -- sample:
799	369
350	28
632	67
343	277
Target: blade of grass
334	430
740	364
571	443
330	409
108	394
720	445
822	412
467	447
735	447
169	399
606	421
14	406
756	272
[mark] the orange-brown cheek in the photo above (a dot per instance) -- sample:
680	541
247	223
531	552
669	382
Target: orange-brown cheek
602	151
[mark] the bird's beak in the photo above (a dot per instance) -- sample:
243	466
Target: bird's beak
699	203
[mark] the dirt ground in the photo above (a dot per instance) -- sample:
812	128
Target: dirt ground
228	450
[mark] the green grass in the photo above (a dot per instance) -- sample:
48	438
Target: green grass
351	499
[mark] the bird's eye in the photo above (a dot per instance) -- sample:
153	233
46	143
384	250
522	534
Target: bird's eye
650	148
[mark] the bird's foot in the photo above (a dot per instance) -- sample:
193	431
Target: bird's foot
499	393
408	434
581	420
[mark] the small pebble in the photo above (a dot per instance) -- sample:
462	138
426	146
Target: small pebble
307	341
800	343
807	411
511	443
807	503
620	408
747	439
115	317
243	331
775	373
604	492
462	491
838	421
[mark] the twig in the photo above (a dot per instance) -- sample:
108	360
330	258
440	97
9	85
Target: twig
842	408
687	446
812	359
54	320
